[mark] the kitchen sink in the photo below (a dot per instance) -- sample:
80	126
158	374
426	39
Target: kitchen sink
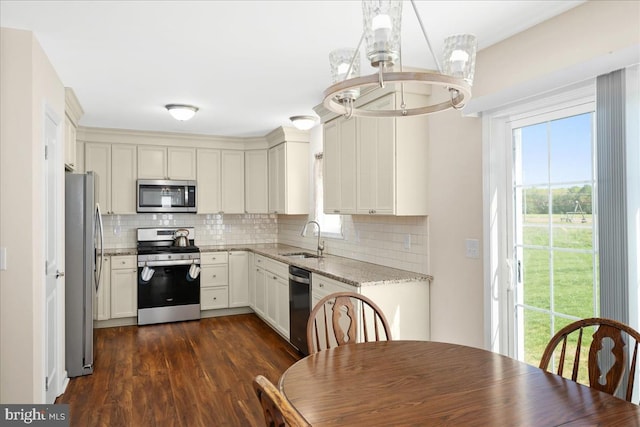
300	255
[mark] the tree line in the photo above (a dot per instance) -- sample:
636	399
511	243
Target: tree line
563	200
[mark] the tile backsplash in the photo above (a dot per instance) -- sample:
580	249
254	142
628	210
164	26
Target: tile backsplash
214	229
399	242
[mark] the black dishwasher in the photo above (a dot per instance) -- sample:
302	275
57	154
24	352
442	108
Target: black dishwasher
299	307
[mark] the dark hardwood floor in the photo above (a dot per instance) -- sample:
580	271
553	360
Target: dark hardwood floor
195	373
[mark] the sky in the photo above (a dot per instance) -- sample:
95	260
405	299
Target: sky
558	151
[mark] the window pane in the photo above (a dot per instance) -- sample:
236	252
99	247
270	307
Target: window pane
573	283
535	216
535	278
572	218
535	156
537	327
570	142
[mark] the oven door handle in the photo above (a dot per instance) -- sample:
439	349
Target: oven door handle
168	263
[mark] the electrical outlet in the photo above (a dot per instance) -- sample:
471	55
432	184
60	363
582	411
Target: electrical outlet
406	243
472	248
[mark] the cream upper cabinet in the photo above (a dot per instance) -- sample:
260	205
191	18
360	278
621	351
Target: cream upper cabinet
97	158
123	179
256	181
339	159
289	178
69	144
208	177
156	162
389	163
181	163
376	162
115	167
73	112
232	180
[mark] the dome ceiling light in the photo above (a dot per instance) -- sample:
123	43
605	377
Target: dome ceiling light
181	112
303	122
382	19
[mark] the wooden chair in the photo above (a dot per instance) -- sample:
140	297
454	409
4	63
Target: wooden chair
345	318
608	348
277	410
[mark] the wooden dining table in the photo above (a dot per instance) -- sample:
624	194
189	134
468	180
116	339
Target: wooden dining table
425	383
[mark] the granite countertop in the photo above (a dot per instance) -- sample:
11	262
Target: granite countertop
346	270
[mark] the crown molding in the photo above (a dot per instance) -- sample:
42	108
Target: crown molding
72	106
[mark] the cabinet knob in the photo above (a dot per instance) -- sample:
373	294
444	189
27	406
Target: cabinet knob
336	211
321	285
215	298
275	278
214	275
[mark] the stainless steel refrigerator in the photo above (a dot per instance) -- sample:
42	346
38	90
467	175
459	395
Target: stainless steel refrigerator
84	256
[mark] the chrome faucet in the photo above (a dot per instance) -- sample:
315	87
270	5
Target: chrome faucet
304	230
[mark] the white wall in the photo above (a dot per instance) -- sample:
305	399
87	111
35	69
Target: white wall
28	83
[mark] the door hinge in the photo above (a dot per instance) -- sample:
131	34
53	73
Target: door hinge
46	152
46	267
46	383
519	272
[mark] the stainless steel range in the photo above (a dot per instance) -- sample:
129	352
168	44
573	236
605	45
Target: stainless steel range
168	275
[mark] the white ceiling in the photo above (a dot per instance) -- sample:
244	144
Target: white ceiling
248	65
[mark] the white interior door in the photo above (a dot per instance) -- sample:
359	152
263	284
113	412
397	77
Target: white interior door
54	294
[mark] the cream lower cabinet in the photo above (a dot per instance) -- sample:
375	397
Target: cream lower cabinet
272	293
238	279
214	280
124	286
102	297
404	304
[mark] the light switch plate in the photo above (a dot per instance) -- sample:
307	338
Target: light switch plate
472	248
3	258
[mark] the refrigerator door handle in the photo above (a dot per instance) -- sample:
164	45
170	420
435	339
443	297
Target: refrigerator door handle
100	234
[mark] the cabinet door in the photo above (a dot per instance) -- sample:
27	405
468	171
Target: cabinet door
233	182
181	163
123	179
238	279
69	144
152	162
256	196
271	297
124	295
98	160
261	291
339	176
252	279
275	165
331	164
282	305
376	162
102	300
208	181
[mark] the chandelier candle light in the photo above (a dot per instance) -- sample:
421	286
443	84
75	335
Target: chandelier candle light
382	28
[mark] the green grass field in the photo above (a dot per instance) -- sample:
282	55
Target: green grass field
569	273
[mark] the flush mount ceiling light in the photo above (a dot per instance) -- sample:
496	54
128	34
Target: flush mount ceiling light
303	122
382	34
181	112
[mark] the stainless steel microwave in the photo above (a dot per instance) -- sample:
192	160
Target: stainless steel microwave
158	195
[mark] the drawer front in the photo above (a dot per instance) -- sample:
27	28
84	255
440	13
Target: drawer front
323	286
211	298
214	275
124	261
212	258
273	266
